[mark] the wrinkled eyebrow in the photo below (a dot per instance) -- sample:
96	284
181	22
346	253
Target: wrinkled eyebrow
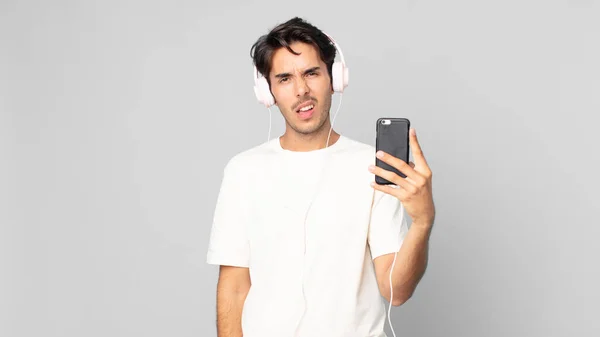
309	70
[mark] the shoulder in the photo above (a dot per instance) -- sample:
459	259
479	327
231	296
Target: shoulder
357	150
249	158
357	145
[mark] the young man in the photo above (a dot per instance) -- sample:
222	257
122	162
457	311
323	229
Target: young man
304	241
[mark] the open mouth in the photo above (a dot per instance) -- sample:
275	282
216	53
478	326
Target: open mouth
306	110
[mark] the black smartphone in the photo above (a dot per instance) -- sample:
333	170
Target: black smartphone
392	138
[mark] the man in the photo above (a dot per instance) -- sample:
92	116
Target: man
304	241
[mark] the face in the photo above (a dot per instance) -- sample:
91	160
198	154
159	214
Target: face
302	88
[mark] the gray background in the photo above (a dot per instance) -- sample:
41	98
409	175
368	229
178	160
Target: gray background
117	119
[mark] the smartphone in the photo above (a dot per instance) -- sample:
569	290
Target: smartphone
392	138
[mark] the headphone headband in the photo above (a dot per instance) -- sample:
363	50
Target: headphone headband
337	47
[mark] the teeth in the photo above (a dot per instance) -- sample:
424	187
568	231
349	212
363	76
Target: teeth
306	108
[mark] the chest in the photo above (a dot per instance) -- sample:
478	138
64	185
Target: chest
300	208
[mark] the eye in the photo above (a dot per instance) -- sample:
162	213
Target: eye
283	79
312	73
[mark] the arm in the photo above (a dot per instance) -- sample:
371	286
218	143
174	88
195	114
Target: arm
229	249
410	266
414	192
232	289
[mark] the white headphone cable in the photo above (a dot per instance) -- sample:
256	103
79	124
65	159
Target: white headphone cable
391	294
308	210
270	118
333	120
306	215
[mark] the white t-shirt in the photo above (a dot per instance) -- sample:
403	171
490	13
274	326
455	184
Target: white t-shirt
309	270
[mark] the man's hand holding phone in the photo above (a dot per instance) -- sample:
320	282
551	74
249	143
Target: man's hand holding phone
414	191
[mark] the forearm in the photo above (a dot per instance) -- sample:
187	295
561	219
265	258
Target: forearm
411	263
229	312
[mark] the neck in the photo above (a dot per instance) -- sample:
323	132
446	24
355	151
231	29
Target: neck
294	141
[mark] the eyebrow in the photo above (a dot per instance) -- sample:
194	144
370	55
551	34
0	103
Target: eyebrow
309	70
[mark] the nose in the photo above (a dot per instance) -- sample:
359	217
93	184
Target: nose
301	87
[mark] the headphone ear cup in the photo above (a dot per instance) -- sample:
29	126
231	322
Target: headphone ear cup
257	93
340	76
263	92
346	76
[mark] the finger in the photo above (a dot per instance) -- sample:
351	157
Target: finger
416	149
411	164
399	164
391	177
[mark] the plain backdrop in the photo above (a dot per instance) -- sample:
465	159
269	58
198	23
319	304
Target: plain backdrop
117	118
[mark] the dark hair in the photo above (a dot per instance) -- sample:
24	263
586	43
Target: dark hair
294	30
